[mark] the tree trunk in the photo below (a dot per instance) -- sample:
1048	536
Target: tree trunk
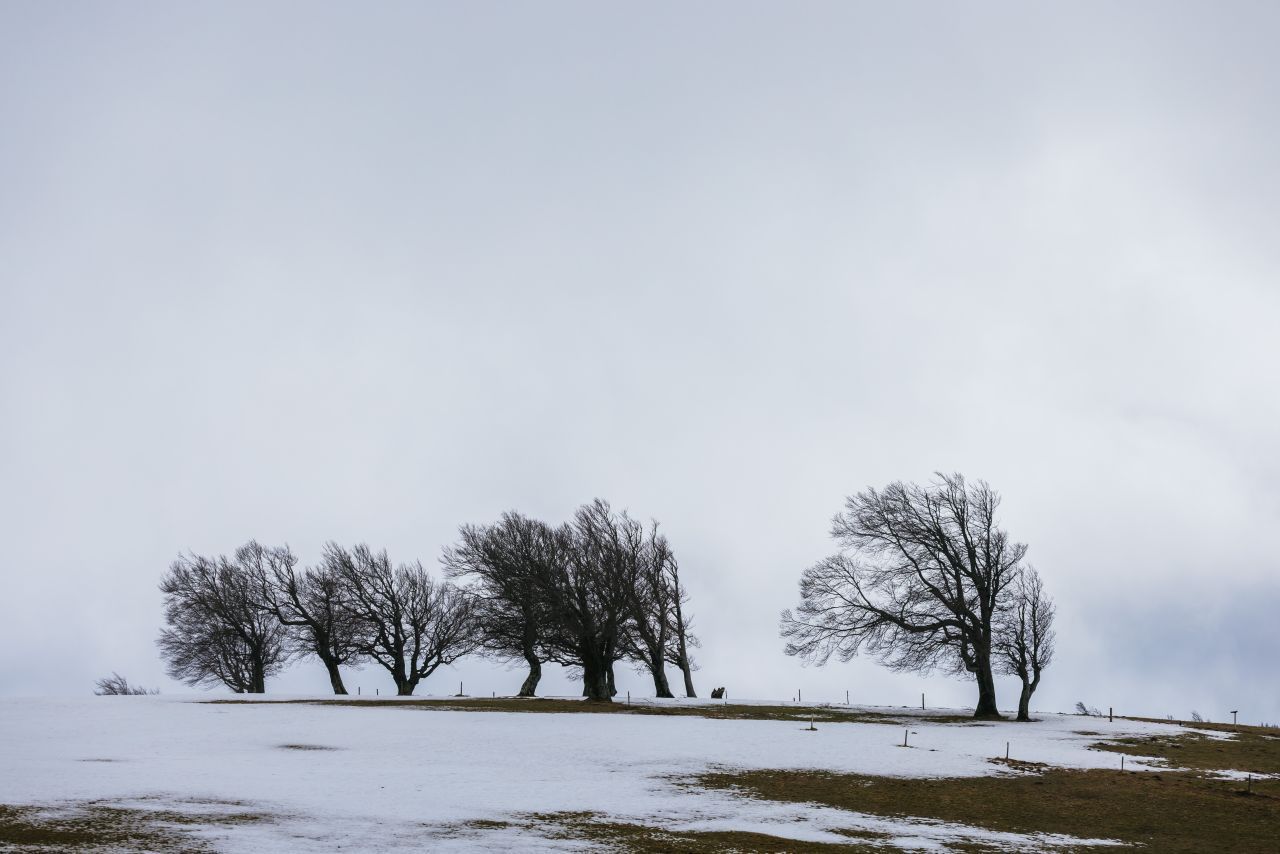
612	683
405	688
595	680
688	677
258	676
661	687
1024	702
530	686
987	707
335	678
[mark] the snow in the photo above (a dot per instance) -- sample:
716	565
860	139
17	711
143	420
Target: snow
397	777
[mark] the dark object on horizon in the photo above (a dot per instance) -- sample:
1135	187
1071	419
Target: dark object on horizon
922	575
116	685
717	693
218	631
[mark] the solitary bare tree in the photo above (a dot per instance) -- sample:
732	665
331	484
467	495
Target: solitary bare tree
924	572
511	563
404	620
311	604
218	631
1025	636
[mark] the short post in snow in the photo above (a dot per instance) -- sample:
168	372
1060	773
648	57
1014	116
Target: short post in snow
628	699
1111	714
1006	750
357	690
922	701
904	737
1249	785
1121	761
1233	716
846	698
811	728
799	698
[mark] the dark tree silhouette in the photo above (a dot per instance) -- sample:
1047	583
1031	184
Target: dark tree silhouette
218	630
1025	637
116	685
311	603
587	597
924	573
404	620
649	637
511	564
681	629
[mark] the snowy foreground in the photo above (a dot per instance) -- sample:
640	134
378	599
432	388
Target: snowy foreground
414	779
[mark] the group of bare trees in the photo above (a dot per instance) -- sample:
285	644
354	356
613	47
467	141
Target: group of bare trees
236	620
927	579
601	589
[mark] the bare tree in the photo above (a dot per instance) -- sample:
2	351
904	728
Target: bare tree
311	603
511	564
646	557
218	632
922	577
681	629
116	685
1025	636
587	595
404	620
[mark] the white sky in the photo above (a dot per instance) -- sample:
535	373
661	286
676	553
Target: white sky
304	272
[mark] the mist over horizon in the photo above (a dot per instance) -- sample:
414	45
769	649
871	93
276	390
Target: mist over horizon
301	273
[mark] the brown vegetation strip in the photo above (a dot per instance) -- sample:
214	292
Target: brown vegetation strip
797	713
643	839
100	826
1177	813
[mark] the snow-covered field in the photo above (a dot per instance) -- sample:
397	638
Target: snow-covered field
403	778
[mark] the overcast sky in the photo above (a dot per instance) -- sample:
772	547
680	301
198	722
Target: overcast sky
301	272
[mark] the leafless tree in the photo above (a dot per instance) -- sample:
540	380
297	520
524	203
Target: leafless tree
218	631
311	603
1025	636
512	564
404	620
587	597
656	632
116	685
681	629
924	572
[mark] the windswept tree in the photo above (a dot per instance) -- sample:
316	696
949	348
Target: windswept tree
311	603
511	565
681	628
116	685
403	619
587	597
217	630
923	574
650	635
1025	636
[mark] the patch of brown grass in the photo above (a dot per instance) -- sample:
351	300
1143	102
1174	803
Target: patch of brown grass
1177	813
797	713
98	826
1250	749
643	839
